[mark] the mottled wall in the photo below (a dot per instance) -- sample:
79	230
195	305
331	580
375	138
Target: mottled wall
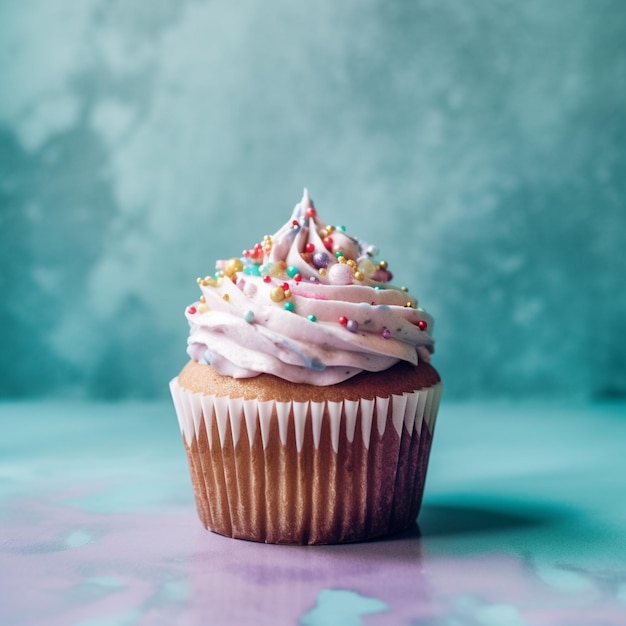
481	145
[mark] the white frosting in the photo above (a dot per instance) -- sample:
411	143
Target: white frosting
242	331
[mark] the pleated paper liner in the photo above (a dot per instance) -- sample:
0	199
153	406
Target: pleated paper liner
307	472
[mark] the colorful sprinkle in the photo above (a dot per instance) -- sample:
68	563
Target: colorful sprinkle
352	326
267	279
340	274
386	333
320	259
422	324
310	247
311	212
312	318
290	306
292	270
277	294
192	310
232	267
343	320
277	269
367	267
252	270
248	316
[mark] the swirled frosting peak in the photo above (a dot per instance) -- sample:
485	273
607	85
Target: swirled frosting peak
309	304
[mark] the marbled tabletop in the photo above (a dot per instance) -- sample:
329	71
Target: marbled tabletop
523	523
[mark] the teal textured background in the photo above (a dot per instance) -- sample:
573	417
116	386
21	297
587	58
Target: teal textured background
481	146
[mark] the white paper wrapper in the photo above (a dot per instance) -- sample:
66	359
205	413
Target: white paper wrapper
307	472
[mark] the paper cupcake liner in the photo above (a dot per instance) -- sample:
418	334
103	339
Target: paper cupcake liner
307	472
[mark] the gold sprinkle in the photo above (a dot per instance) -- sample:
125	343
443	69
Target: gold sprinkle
409	305
322	271
226	297
383	265
277	294
233	266
358	276
351	263
202	308
202	298
342	259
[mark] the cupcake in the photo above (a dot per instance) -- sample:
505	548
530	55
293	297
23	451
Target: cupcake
308	405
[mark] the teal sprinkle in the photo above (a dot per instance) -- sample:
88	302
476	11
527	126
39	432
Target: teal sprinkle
249	316
292	270
289	306
312	318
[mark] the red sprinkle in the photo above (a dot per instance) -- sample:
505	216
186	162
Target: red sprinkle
192	310
328	243
311	212
310	247
422	324
285	286
343	320
298	277
267	279
295	223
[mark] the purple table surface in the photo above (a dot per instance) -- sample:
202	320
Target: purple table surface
523	523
